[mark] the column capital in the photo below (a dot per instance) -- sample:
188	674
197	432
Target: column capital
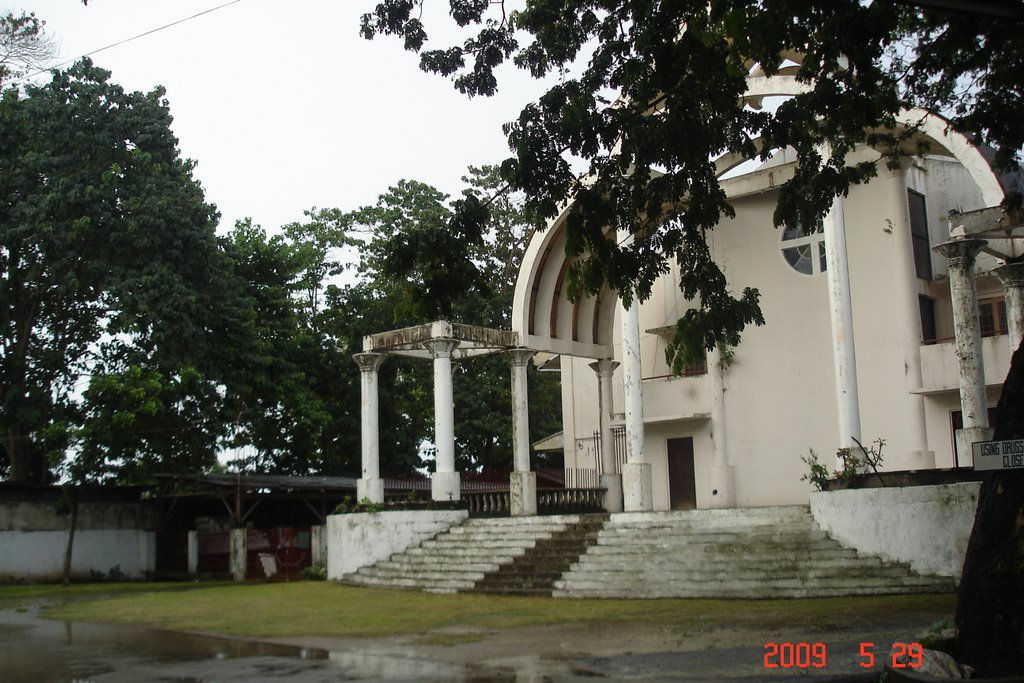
1010	274
441	348
369	362
519	356
960	253
604	367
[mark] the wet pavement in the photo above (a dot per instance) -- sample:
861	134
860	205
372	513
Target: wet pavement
37	650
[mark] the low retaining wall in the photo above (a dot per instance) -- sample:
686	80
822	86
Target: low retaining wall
362	539
113	540
925	526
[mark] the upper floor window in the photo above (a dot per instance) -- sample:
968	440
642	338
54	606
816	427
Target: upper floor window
919	235
992	316
804	251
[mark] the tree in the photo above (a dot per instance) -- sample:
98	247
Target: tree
24	45
291	387
424	258
109	267
650	93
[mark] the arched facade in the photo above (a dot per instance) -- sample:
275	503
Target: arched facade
734	432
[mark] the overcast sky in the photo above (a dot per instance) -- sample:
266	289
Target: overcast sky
284	106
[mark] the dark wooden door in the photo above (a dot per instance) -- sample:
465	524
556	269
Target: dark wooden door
682	485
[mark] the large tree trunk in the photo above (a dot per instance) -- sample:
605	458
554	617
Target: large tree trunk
26	464
990	605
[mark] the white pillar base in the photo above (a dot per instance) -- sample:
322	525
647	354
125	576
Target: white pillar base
445	486
921	460
612	485
967	436
373	489
237	554
318	544
522	492
193	552
636	487
722	492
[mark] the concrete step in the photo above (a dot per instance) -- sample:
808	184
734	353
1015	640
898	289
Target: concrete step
746	538
760	592
419	575
403	563
754	553
775	575
755	561
751	587
537	569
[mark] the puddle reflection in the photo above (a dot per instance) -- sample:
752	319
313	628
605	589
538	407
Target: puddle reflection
36	650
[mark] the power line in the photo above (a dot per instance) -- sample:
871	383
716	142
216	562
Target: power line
127	40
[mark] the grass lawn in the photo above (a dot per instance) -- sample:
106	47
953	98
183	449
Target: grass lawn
314	608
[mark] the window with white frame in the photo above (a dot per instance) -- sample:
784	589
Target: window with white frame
804	250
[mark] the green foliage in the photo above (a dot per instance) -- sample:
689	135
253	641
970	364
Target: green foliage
316	572
109	267
346	506
818	474
426	258
853	462
648	94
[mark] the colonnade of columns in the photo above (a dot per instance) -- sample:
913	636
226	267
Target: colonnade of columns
445	483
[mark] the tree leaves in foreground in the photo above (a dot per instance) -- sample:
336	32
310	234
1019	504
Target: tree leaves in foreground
649	93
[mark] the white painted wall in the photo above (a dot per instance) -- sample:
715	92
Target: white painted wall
925	526
39	555
362	539
118	537
779	398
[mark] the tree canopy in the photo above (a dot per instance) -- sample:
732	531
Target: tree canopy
109	270
427	262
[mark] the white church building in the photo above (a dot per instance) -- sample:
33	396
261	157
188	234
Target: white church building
863	322
894	320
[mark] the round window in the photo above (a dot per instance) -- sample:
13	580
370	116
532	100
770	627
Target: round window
804	251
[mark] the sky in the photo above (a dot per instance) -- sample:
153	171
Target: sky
284	106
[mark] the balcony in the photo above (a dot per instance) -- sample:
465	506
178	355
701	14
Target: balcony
677	398
939	369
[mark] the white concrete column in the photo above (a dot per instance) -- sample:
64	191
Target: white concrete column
1012	277
960	255
522	482
318	544
369	485
193	552
445	484
611	481
722	490
844	352
238	548
636	472
905	289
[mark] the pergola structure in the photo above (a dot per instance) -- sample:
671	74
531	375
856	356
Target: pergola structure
442	341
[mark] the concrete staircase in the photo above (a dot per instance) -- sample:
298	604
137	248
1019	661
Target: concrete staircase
521	555
739	553
542	564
